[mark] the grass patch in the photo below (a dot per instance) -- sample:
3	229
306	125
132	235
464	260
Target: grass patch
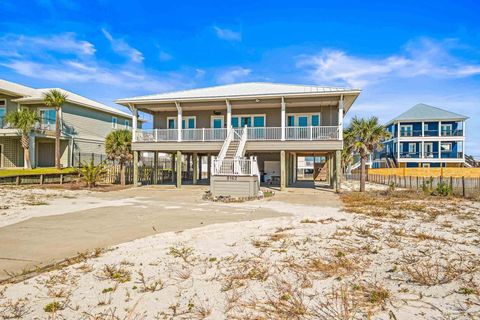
26	172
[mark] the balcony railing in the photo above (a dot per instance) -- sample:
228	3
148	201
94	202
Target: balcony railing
43	124
431	133
253	134
452	133
432	155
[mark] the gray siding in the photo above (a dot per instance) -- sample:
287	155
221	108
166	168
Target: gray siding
11	106
82	122
238	187
12	152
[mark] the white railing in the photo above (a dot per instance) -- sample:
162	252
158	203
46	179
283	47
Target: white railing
235	167
253	134
264	133
311	133
225	145
241	146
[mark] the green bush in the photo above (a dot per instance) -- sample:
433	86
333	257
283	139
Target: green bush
91	174
444	189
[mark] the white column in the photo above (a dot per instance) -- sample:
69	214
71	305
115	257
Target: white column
340	118
398	140
179	121
439	128
134	122
422	154
229	116
283	118
423	129
32	150
439	149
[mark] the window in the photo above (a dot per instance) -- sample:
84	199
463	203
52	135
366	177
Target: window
47	118
303	120
114	122
248	120
412	148
446	146
127	124
446	129
187	122
406	130
3	111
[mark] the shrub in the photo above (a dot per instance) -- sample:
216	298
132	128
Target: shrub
444	189
91	174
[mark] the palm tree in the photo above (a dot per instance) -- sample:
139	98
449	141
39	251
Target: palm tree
54	99
25	121
364	136
118	146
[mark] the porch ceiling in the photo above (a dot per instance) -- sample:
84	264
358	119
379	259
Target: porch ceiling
261	102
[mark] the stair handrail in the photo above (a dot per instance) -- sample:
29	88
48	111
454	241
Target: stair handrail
241	146
226	144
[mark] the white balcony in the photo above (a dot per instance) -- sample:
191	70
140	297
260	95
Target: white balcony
311	133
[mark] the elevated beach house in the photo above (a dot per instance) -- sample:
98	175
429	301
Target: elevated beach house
424	136
249	132
84	126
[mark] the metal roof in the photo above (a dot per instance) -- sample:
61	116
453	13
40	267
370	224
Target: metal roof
239	90
32	95
423	111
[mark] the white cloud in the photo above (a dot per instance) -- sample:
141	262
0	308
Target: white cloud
13	45
234	74
227	34
73	71
164	56
121	47
423	57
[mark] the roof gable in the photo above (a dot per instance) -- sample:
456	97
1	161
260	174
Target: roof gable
423	111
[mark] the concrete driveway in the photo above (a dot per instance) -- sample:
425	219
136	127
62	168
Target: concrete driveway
43	240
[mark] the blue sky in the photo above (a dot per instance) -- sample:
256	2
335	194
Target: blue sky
399	52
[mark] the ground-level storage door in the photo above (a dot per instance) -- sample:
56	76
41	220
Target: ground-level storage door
46	154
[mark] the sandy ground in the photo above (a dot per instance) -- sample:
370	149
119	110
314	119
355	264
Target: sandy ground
418	260
103	219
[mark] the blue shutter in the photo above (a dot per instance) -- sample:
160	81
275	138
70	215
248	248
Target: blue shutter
191	123
235	122
315	120
259	121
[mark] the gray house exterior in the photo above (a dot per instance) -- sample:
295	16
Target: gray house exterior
249	132
84	126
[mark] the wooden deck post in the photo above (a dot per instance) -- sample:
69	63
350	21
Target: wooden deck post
135	168
338	164
283	173
209	166
155	167
199	163
172	164
195	168
179	169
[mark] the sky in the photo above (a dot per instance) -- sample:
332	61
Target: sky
399	53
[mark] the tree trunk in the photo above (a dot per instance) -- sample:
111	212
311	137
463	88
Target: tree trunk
362	173
57	138
26	151
122	174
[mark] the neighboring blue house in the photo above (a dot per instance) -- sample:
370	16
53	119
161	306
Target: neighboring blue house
424	136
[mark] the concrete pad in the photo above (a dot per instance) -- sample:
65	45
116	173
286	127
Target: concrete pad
44	240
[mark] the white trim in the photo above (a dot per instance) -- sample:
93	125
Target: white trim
175	120
217	117
114	123
2	156
251	116
446	143
303	114
406	126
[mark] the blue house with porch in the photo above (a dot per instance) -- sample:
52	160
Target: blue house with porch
424	136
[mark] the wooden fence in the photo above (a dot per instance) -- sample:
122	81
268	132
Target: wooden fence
461	186
428	172
53	178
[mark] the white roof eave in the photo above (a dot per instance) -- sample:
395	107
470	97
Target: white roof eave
128	101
